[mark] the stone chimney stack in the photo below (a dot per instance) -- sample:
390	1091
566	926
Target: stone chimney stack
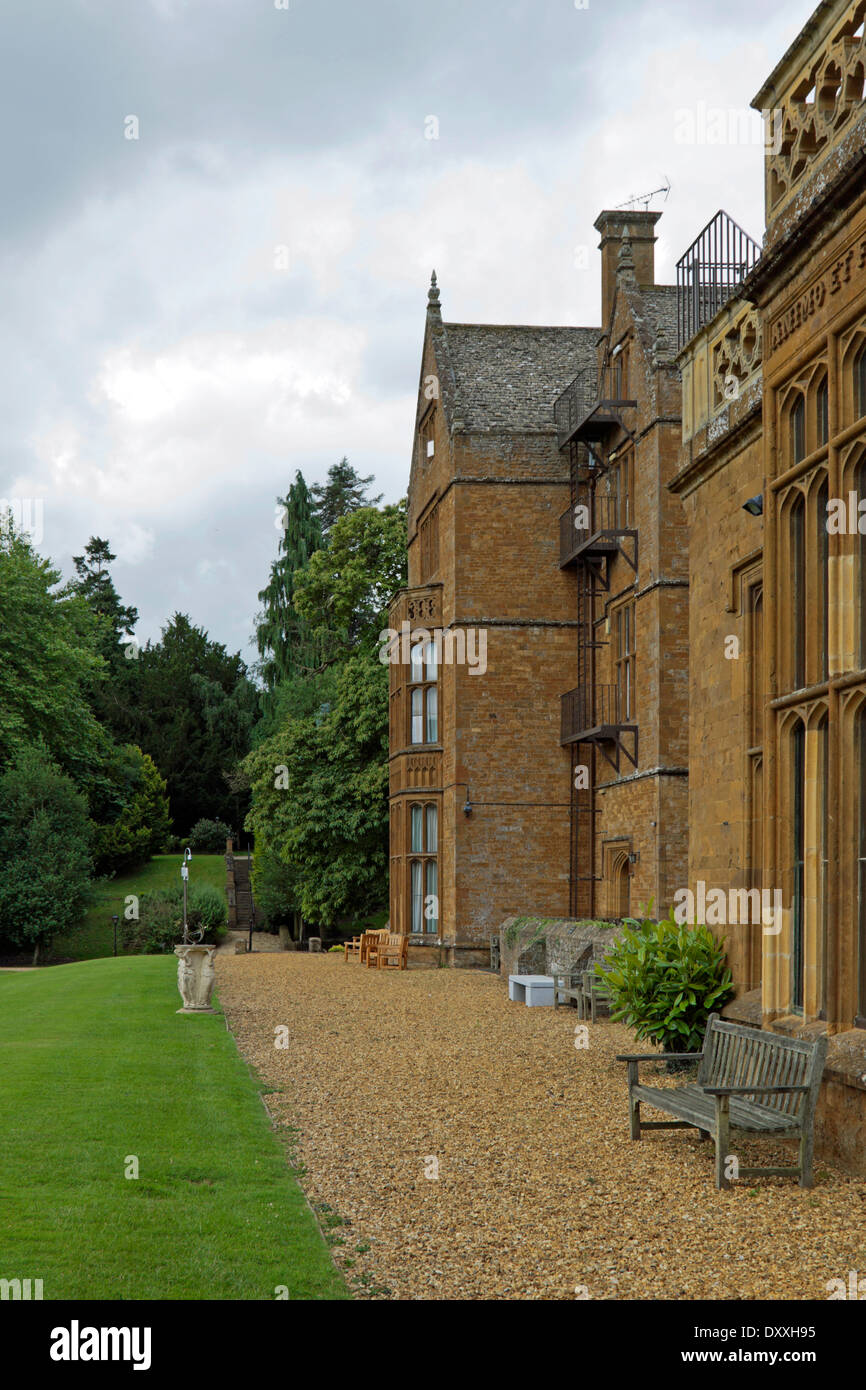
639	230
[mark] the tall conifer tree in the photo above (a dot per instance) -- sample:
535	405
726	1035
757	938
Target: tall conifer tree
343	492
94	583
284	641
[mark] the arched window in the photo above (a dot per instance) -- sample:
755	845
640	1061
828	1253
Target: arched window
797	533
822	403
622	886
417	844
798	430
860	383
423	693
798	857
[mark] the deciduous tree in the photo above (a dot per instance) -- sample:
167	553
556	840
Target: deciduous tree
45	860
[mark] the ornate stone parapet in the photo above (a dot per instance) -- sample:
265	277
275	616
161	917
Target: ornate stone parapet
736	356
816	92
721	371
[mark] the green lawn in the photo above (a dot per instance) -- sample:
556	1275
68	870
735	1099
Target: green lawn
97	1066
97	936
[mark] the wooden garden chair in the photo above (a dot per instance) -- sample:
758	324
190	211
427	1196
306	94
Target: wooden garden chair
370	942
352	949
392	952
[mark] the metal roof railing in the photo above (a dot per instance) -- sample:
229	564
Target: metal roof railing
711	272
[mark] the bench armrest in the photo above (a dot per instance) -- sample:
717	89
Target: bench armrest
753	1090
659	1056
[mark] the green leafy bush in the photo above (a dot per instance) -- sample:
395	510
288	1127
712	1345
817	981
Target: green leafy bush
139	825
160	919
209	836
665	979
45	859
274	891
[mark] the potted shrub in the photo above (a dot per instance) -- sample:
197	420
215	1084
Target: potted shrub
665	979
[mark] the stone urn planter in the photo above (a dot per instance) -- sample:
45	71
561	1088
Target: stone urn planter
195	978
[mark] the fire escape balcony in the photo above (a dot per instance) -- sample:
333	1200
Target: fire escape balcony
593	530
594	714
588	413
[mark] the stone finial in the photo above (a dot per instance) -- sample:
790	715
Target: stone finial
625	260
433	306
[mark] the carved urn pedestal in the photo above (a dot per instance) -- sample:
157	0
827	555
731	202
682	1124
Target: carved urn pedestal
195	978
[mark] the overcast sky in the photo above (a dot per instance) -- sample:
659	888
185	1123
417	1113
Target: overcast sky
165	372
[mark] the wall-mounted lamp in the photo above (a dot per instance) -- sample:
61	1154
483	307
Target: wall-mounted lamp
467	805
633	858
755	505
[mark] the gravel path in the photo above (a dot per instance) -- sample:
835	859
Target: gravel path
540	1193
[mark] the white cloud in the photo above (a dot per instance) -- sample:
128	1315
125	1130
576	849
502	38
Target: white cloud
163	379
131	543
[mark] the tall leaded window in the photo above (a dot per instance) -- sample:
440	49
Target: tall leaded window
423	868
423	694
797	522
860	383
431	903
756	666
823	858
822	403
860	842
823	559
798	430
860	542
624	660
755	761
616	508
417	896
618	376
798	859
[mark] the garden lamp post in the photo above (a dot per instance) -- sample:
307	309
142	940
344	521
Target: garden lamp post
114	920
195	969
184	873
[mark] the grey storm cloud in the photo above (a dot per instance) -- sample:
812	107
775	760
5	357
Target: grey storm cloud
164	375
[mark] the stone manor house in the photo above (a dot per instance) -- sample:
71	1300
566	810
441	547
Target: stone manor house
634	651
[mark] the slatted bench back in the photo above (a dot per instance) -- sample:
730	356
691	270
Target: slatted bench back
735	1055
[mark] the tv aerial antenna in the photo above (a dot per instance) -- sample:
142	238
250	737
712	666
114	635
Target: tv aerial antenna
644	199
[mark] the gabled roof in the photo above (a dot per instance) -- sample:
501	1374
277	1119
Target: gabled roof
507	377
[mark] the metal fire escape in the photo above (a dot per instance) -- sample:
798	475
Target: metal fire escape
592	532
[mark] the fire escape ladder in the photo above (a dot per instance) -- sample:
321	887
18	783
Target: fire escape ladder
592	532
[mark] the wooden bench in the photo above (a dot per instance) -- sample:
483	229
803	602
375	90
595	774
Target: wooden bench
359	946
392	952
370	943
748	1079
594	992
568	984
